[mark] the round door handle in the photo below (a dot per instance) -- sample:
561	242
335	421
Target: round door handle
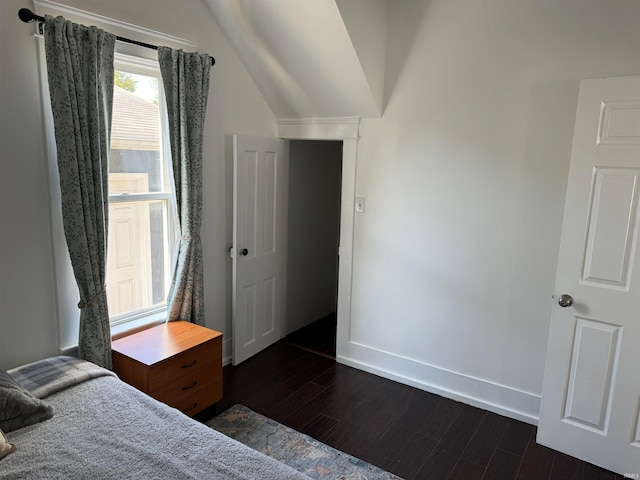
565	300
244	252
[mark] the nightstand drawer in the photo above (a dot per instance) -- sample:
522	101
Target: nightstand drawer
205	396
188	384
203	358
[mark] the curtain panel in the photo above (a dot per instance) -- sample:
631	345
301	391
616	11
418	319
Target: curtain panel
185	77
80	73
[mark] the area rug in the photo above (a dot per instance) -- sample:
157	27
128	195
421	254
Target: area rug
299	451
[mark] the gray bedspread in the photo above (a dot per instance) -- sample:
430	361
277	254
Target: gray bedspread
104	429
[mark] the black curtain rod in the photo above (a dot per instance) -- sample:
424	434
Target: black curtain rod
28	16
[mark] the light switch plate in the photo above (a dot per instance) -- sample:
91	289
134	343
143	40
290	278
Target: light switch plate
360	204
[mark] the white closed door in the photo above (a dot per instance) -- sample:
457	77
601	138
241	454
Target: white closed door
258	244
591	392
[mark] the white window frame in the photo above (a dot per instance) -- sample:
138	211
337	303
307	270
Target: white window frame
157	313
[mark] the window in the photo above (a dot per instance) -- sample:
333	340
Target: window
141	208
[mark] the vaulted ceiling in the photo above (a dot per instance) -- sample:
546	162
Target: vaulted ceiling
320	58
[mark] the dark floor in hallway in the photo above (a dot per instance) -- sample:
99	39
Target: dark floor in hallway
318	337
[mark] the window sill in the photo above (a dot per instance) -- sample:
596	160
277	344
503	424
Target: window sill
124	330
134	326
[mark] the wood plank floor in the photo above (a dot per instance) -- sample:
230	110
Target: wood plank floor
412	433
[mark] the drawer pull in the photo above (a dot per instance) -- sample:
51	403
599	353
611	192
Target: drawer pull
190	408
190	365
195	382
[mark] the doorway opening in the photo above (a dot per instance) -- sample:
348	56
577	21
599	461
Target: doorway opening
313	238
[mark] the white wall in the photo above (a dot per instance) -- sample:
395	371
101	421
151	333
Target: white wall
314	223
28	300
27	321
465	177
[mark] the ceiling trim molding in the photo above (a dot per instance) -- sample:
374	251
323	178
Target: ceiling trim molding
329	128
113	25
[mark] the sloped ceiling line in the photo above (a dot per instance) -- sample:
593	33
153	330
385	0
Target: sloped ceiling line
311	58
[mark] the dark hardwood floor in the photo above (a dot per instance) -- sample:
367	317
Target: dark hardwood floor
409	432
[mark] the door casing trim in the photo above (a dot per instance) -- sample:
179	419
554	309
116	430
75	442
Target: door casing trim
345	129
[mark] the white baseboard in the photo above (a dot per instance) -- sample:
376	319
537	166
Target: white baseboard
478	392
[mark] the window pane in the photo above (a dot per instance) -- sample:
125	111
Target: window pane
135	132
139	233
137	251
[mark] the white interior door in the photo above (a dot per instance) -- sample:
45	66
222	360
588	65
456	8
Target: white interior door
591	392
258	244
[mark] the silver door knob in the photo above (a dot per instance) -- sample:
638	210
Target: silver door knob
565	300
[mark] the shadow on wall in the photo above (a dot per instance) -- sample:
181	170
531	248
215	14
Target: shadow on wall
543	177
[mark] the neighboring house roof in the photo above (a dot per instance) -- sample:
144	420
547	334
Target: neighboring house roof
136	122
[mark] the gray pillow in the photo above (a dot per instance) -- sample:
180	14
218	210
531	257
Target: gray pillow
18	407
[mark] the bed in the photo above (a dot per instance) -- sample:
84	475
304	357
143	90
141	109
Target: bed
102	428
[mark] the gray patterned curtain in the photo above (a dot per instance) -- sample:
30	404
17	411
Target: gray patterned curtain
186	82
80	73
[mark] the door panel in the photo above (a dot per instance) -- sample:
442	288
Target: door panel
620	122
270	197
248	177
593	365
249	300
591	389
258	272
610	238
270	301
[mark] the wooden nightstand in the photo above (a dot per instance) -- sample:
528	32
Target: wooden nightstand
178	363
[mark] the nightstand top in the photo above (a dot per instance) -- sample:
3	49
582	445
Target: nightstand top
163	341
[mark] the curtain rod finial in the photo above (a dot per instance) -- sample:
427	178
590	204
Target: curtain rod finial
26	15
